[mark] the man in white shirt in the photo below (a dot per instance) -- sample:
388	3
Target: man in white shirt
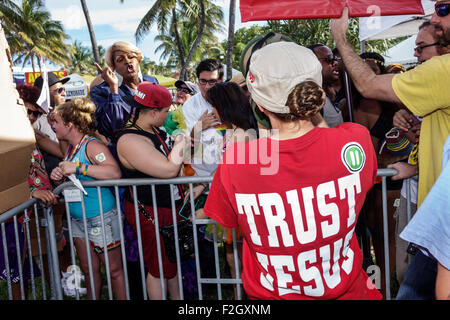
200	120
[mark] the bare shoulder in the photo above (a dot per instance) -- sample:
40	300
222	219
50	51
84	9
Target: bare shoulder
130	141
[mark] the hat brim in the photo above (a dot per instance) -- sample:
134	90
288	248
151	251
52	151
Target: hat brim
178	83
63	81
130	101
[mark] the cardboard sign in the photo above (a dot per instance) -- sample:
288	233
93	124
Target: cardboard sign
16	137
30	77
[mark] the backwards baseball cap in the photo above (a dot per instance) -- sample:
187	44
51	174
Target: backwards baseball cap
149	95
276	69
52	79
191	86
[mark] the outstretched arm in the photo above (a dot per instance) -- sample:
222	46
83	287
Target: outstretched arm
369	84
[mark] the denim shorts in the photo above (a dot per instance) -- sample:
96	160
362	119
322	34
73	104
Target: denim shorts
96	232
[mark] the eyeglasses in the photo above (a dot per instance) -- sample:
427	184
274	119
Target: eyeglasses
185	90
35	113
210	82
59	90
330	59
442	9
419	49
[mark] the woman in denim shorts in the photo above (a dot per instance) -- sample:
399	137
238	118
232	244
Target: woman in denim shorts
89	159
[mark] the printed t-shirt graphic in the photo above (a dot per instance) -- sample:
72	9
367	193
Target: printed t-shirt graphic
299	223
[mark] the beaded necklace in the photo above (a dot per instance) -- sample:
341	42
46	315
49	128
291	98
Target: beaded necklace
71	151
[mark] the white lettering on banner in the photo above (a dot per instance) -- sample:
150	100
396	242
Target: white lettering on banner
318	267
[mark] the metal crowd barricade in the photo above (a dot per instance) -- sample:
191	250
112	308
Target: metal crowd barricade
54	283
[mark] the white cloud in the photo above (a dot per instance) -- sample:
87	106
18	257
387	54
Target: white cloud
121	19
72	17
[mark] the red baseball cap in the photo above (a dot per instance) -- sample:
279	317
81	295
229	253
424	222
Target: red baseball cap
150	95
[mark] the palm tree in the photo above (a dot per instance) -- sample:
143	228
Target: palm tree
209	46
81	58
167	13
31	34
161	13
231	38
91	32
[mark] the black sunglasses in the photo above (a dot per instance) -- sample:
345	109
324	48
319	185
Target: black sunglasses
36	113
419	49
330	59
442	9
59	90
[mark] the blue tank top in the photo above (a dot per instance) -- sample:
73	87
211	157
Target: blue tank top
91	199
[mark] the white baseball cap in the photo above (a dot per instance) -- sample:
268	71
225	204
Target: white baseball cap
276	69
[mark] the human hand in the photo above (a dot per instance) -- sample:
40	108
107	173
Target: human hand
46	196
177	154
339	26
57	174
405	170
403	120
208	120
110	77
67	167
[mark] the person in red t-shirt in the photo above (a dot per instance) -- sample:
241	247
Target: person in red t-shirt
296	194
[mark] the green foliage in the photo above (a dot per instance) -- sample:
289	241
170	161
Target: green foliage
305	32
31	34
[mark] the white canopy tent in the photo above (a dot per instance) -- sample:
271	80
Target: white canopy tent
402	53
76	87
375	27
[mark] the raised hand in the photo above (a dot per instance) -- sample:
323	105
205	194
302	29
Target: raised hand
110	77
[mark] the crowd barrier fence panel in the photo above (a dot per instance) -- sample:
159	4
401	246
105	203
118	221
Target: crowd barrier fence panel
55	285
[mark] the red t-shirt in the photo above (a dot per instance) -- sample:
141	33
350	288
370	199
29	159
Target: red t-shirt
297	202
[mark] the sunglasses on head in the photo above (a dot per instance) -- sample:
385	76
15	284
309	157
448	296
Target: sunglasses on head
35	113
185	90
442	9
59	90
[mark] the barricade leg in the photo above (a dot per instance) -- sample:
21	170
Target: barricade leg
53	253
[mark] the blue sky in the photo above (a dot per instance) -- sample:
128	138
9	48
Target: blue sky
114	21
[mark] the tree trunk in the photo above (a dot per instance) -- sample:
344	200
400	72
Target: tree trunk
177	36
91	32
196	42
231	39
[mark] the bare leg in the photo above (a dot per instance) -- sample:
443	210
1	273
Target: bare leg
116	271
80	246
174	290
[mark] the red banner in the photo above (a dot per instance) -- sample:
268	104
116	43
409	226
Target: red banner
257	10
31	76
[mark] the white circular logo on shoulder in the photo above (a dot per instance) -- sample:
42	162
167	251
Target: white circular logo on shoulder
353	157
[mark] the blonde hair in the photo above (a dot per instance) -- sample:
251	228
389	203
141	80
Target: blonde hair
121	46
80	112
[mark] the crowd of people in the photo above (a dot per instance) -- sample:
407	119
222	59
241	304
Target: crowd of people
294	162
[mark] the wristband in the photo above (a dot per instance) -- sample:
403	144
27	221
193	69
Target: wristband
77	168
85	169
